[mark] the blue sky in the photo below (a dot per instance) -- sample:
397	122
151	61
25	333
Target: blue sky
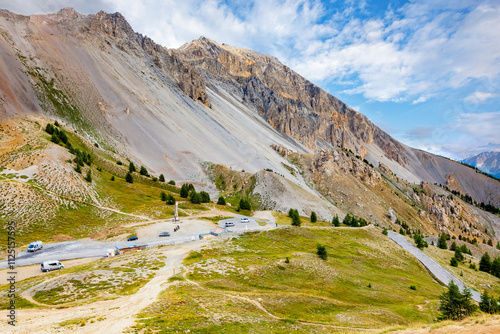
427	72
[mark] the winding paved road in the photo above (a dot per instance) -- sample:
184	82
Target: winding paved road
436	269
76	249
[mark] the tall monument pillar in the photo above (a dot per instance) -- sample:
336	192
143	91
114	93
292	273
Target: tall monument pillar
176	214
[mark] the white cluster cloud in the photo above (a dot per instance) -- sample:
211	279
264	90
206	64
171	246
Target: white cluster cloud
479	97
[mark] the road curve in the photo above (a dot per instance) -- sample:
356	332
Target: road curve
436	269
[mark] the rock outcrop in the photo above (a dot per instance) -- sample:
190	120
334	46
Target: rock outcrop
291	104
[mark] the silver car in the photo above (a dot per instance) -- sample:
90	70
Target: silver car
51	265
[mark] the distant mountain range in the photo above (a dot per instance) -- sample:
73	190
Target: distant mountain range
488	162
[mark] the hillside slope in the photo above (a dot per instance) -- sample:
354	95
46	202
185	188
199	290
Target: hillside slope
173	110
297	108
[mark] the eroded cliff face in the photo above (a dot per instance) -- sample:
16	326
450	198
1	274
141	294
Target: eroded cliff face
291	104
114	26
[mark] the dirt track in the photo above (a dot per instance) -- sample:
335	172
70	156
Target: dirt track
111	316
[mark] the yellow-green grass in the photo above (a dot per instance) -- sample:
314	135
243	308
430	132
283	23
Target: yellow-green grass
135	198
335	292
283	219
478	280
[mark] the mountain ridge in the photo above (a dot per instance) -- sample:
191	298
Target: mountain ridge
124	90
488	162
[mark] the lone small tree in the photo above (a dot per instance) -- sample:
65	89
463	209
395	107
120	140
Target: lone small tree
221	201
129	178
384	231
161	178
88	177
314	218
184	191
112	177
144	171
321	251
294	214
170	199
442	242
458	255
336	221
485	263
131	167
244	205
163	196
495	267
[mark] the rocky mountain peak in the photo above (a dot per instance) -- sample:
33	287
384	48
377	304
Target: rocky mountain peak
66	14
114	25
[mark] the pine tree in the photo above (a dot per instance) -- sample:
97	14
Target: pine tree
131	167
88	178
221	201
129	178
454	262
455	305
170	199
458	254
321	251
419	241
295	218
161	178
314	218
54	139
347	220
49	129
453	246
495	267
78	169
442	242
205	197
184	191
112	177
143	171
244	205
163	196
488	304
485	263
384	231
195	197
336	221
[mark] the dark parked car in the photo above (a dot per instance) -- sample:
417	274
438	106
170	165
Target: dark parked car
132	238
164	234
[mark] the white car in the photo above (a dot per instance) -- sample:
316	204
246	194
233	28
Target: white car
51	265
34	246
245	220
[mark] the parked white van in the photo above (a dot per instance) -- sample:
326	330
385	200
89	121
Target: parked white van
34	246
51	265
